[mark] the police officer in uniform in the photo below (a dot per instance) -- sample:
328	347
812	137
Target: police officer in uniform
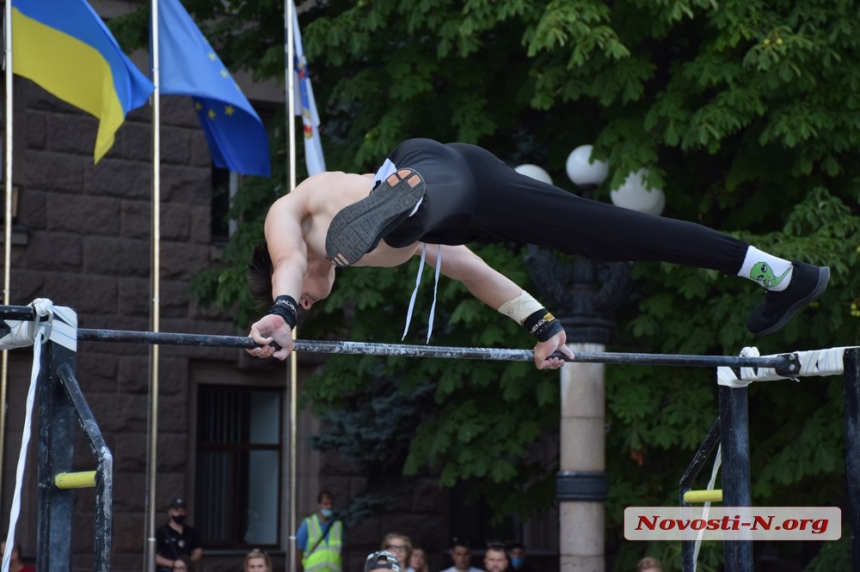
176	539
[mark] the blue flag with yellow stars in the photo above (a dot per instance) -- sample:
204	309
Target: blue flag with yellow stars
189	66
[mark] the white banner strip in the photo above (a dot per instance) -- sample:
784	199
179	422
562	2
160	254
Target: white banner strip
817	523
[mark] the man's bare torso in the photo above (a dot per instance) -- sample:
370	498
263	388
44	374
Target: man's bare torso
314	203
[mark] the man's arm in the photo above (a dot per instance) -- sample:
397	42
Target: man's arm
197	555
288	251
494	289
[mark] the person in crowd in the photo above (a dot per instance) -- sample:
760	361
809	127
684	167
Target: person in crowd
319	540
517	556
380	561
176	538
495	558
461	554
649	564
15	564
418	561
401	546
257	561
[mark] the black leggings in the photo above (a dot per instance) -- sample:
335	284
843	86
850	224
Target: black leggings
473	195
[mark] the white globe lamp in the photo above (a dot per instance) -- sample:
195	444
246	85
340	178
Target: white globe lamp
635	195
584	172
534	172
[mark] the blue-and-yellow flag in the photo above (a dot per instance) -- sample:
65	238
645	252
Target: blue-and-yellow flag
64	46
189	66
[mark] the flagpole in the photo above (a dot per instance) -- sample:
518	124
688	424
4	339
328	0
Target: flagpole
155	313
289	9
7	235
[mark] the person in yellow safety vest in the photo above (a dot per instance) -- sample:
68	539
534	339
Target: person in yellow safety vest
319	540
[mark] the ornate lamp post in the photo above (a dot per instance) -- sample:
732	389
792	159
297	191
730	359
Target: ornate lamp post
584	295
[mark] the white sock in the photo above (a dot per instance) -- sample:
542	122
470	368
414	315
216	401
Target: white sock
767	270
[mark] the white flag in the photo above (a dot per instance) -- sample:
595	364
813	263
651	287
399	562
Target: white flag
306	107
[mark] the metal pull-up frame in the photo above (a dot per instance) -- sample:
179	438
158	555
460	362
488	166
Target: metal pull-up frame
61	401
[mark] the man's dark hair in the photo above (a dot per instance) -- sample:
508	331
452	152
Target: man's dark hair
496	547
260	270
461	542
323	495
519	545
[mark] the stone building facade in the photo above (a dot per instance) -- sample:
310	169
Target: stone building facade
82	237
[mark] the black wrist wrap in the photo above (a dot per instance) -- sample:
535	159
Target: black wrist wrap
287	308
542	325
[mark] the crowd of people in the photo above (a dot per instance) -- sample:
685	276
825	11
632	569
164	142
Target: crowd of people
319	543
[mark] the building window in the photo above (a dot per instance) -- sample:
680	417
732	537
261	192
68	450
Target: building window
238	466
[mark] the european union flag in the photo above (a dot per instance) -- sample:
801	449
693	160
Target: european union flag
189	66
64	46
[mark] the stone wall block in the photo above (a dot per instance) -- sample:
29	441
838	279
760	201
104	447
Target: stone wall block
120	178
54	251
201	224
133	375
84	293
120	412
172	452
48	171
179	111
173	414
36	130
180	261
128	533
200	154
83	214
32	209
134	296
173	378
190	185
116	257
175	222
130	453
97	373
135	140
130	488
175	145
72	133
136	219
174	299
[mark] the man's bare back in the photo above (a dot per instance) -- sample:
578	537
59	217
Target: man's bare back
314	203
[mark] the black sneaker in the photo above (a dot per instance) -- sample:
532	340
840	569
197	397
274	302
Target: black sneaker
808	282
357	228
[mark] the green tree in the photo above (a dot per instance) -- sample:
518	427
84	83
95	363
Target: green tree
744	112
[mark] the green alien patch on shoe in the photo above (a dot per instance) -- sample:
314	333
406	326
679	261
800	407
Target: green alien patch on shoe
763	274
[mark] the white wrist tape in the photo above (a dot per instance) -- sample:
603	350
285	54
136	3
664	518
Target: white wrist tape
520	307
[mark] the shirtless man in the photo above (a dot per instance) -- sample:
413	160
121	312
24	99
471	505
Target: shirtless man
440	197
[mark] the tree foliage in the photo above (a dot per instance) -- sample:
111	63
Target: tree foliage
745	112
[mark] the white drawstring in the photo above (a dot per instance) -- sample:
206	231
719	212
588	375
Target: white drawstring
415	291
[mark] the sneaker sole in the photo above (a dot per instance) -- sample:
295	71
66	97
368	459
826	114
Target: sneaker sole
355	229
820	287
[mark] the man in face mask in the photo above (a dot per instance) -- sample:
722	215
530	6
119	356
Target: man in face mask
517	558
176	539
320	538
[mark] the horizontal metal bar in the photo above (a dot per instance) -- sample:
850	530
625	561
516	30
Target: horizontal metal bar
16	313
80	480
782	362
